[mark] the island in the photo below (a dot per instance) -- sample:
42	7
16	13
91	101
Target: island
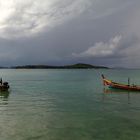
74	66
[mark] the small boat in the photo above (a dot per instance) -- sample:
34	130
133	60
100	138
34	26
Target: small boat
111	84
4	86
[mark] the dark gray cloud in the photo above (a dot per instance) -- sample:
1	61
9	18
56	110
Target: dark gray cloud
68	31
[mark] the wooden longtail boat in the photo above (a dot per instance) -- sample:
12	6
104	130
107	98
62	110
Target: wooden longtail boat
111	84
4	86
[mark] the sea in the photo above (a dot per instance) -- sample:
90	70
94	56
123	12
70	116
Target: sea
68	104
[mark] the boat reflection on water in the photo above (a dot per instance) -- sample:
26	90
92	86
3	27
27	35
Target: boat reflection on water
113	90
117	92
4	94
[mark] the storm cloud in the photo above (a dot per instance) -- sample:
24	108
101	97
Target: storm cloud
62	32
102	49
28	17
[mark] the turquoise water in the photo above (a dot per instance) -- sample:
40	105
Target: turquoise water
68	105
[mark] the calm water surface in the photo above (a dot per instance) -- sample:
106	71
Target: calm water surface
68	105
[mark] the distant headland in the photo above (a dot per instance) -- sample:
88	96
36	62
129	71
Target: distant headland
74	66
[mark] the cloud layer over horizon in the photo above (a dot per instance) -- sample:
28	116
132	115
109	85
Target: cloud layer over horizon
68	31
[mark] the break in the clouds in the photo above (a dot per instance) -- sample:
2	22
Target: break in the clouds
70	31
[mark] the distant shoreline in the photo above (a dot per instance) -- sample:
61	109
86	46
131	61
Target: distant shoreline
74	66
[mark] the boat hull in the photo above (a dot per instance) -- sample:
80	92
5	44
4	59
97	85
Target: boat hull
115	85
4	88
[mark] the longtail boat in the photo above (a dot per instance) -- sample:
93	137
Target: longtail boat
111	84
4	86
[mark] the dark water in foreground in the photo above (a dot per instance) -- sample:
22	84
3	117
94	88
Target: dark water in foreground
68	105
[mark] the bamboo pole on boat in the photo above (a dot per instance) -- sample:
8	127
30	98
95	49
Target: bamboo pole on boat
128	81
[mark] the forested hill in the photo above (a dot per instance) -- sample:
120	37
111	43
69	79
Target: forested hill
75	66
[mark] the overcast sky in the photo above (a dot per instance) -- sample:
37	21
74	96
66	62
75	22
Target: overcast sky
58	32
